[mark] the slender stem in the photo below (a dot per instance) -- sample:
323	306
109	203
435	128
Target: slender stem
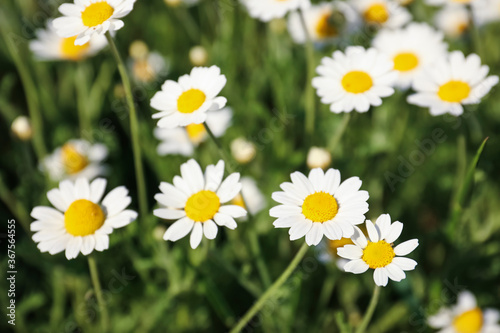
14	205
134	129
94	275
82	100
310	99
257	253
222	151
474	33
339	132
369	313
271	291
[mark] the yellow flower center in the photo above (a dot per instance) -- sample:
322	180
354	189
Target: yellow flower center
376	13
378	254
357	82
469	322
72	160
196	132
454	91
202	206
323	28
320	207
71	51
238	201
83	218
190	100
96	13
405	61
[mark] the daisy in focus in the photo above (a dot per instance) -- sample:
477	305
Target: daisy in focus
80	222
355	79
76	159
50	46
187	101
325	22
266	10
199	202
87	18
183	140
254	200
411	48
452	82
383	13
319	205
466	316
378	252
453	20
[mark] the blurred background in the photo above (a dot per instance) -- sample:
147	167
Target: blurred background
412	164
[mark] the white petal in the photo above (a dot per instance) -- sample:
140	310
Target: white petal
233	210
122	219
394	272
394	232
169	214
58	200
88	244
356	266
97	188
383	223
73	247
406	247
225	220
213	176
349	251
229	188
373	233
196	235
380	277
82	189
406	264
300	229
209	229
179	229
315	234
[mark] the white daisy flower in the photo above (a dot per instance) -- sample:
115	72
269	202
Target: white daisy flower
486	11
466	316
76	159
266	10
87	18
188	100
250	198
183	140
50	46
196	200
354	80
378	252
383	13
452	20
325	22
80	222
411	49
320	205
452	82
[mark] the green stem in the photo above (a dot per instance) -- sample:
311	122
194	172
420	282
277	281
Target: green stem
222	151
134	129
310	99
474	35
94	275
82	101
15	206
271	291
369	313
339	132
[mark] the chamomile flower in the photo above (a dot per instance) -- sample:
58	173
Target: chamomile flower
411	48
76	159
378	252
250	198
198	201
354	80
453	20
466	316
452	82
50	46
188	100
87	18
325	22
266	10
183	140
80	221
319	205
383	13
486	11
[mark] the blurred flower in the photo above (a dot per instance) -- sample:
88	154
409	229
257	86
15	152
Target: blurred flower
198	55
466	317
182	141
452	20
148	69
383	13
243	150
76	159
188	100
266	10
354	80
49	46
452	82
325	22
87	18
138	50
21	127
80	222
195	201
318	157
319	205
378	252
486	11
412	49
158	232
253	201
